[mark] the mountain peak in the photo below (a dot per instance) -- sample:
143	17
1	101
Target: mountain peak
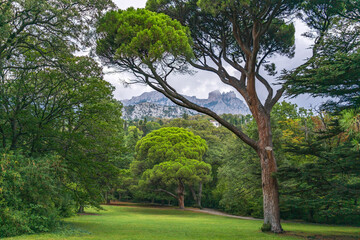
218	102
214	95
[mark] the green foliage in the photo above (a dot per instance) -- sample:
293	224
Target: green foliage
151	126
53	103
332	76
239	181
332	70
239	178
169	144
69	111
170	157
188	170
325	188
32	198
219	140
133	136
45	27
141	34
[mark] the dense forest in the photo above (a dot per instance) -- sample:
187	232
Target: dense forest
64	146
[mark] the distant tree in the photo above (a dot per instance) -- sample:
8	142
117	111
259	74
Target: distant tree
171	158
323	186
151	126
133	136
218	141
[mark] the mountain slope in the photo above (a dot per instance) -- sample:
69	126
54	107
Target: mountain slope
155	104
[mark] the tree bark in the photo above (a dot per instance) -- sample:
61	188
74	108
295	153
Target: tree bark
181	195
81	209
268	168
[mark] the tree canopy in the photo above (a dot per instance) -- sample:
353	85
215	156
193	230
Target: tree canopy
171	157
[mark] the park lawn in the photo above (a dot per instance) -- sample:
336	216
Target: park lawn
146	223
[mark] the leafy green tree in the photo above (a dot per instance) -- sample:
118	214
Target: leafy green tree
333	70
328	193
53	103
45	26
171	157
31	197
324	187
95	149
133	136
219	141
69	111
240	34
151	126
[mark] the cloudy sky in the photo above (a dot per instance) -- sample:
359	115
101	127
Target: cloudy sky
201	83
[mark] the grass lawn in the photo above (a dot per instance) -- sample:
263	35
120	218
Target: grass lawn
146	223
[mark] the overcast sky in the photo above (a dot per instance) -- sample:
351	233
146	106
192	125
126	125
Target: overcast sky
202	83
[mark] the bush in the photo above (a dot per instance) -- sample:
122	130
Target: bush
32	198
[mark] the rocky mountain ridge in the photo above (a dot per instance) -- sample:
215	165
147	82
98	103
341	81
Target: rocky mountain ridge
155	104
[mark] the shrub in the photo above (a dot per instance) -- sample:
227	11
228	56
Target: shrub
31	195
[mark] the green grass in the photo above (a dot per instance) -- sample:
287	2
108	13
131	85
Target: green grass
145	223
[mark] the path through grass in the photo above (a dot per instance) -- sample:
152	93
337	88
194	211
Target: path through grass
146	223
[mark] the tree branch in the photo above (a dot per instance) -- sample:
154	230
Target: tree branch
167	192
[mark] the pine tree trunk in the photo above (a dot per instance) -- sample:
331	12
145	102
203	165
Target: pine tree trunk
268	167
181	195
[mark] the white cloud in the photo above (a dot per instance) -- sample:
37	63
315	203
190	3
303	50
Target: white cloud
124	4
